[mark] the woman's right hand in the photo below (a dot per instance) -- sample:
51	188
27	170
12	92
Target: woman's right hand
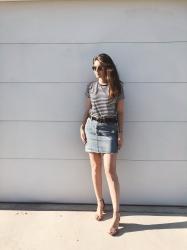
83	135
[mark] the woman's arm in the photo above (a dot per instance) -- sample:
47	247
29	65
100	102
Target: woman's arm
85	116
86	112
120	112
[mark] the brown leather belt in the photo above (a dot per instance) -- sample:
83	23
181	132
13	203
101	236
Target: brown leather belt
103	119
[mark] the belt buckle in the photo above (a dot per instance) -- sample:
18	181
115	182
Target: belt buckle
102	119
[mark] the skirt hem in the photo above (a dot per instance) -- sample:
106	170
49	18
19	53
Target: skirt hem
99	152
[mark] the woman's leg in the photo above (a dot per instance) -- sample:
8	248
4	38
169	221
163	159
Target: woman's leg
114	188
96	166
112	180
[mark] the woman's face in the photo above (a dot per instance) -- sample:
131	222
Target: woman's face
100	72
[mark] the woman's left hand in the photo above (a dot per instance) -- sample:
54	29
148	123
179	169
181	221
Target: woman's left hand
120	140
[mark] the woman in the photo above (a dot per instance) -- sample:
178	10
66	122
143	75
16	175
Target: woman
102	131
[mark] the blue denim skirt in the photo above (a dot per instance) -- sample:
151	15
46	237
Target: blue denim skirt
101	137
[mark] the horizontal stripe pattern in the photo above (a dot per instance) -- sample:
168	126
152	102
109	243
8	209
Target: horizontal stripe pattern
101	105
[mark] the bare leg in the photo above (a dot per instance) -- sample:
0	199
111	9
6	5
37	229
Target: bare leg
96	164
112	179
114	188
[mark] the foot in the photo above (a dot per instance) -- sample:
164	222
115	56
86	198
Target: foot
100	210
115	224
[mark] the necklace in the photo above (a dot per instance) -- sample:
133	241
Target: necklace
104	84
103	88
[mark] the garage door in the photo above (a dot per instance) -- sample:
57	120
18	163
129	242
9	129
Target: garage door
46	50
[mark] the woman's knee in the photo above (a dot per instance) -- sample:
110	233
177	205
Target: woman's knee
96	167
111	173
96	162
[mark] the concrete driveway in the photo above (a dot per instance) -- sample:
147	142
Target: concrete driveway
69	227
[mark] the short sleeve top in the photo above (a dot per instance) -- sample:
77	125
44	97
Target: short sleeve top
101	105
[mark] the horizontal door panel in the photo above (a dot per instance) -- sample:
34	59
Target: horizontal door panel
141	183
60	140
69	21
65	101
72	63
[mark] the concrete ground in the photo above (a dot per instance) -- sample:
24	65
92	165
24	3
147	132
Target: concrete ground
69	227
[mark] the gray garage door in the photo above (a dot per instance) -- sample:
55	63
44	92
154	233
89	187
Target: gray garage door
46	49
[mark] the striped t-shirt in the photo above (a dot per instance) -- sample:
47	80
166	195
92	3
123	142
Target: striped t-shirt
101	105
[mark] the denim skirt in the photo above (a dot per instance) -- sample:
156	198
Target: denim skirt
101	137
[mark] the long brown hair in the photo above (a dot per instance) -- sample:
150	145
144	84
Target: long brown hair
111	74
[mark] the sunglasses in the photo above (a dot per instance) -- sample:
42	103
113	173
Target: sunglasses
99	68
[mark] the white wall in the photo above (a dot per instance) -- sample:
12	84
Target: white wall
46	50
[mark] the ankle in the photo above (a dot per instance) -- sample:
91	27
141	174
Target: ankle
116	213
100	200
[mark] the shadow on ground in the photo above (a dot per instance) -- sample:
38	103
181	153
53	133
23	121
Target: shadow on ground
125	210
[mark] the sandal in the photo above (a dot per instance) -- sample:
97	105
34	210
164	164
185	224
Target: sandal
114	228
99	213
